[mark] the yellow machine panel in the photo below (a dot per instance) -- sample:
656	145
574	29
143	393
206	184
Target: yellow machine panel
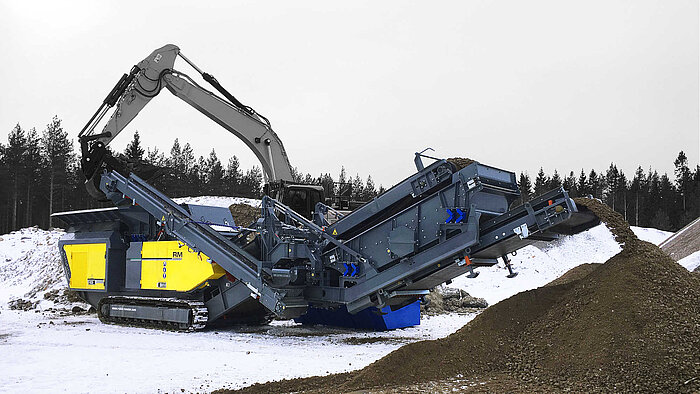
171	265
87	264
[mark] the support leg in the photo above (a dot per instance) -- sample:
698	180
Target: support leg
472	274
506	260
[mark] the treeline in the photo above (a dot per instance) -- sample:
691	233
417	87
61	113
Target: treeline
649	199
40	174
187	176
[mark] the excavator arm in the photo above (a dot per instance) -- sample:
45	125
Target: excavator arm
146	80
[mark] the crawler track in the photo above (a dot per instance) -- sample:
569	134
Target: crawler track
151	312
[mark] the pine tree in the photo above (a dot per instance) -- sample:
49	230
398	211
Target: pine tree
4	197
582	186
32	166
214	174
669	205
357	188
309	180
622	192
189	163
653	200
684	180
525	187
328	185
612	177
184	165
58	154
636	192
134	152
252	181
176	154
541	183
233	176
14	156
297	176
370	191
155	157
555	182
570	185
595	184
343	186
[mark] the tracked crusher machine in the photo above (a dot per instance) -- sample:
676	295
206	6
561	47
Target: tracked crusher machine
149	261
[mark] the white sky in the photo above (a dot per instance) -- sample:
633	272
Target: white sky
513	84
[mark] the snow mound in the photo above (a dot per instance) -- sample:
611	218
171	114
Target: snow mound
692	262
652	235
30	265
537	266
217	201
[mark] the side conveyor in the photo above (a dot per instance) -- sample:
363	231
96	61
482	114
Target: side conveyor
200	237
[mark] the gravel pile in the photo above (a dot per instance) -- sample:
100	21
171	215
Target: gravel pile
244	214
460	162
630	324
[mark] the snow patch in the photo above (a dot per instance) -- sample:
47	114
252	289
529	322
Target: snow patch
71	354
691	262
537	266
218	201
651	235
30	265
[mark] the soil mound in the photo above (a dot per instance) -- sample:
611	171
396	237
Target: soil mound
460	162
575	273
631	324
613	220
244	214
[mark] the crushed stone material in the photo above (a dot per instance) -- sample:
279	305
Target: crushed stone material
630	324
244	214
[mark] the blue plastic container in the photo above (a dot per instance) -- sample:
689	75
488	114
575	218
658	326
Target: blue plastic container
369	319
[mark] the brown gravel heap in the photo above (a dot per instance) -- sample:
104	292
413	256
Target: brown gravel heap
575	273
244	214
631	324
613	220
460	162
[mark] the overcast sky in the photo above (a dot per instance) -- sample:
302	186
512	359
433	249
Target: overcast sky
513	84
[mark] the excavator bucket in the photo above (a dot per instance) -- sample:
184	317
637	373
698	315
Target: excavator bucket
580	221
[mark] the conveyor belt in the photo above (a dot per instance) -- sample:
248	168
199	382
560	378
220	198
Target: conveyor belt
198	236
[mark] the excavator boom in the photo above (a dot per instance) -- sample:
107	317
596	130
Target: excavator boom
146	80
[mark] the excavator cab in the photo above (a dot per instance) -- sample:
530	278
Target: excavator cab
302	199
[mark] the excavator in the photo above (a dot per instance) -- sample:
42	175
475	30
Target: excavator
135	90
149	261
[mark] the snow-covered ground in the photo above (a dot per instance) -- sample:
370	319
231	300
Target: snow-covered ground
79	354
651	234
217	201
30	266
43	352
537	266
691	262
